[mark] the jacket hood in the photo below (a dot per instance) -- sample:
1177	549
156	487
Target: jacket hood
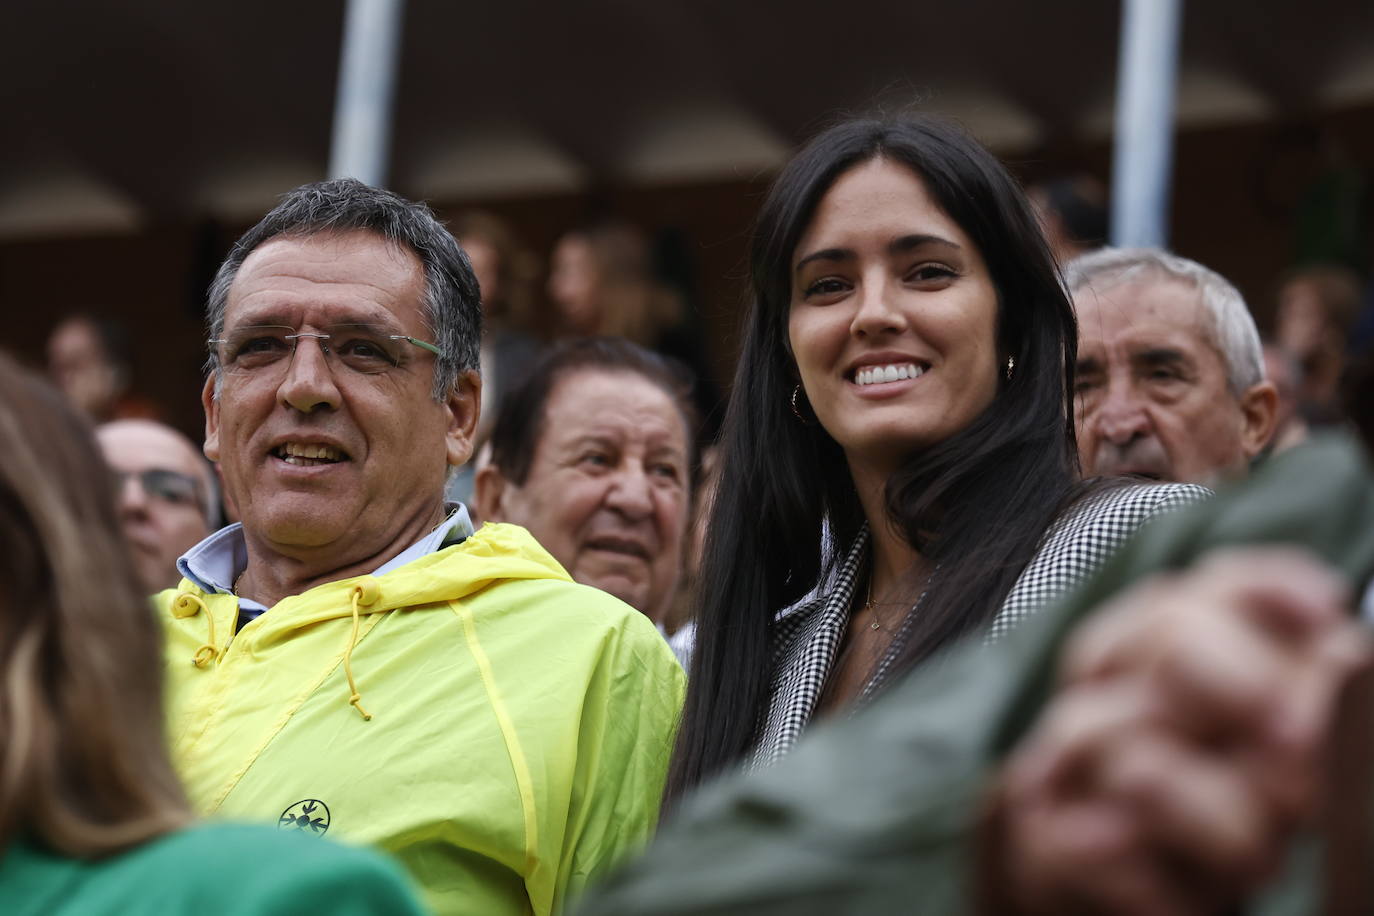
493	553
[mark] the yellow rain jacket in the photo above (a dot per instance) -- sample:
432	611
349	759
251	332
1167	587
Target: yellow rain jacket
519	732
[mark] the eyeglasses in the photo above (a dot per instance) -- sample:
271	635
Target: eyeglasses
171	487
267	349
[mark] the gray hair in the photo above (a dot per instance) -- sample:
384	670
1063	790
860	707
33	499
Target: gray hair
1227	318
452	304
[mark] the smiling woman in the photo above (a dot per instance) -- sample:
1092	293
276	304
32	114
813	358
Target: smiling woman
899	441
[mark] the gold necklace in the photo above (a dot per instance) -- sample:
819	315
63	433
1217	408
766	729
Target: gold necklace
871	605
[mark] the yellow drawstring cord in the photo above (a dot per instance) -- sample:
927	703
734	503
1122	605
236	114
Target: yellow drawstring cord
355	698
188	605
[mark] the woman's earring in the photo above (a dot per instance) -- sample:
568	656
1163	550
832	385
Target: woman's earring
796	409
1011	364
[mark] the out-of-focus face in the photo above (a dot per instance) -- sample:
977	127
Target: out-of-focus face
1278	368
575	283
486	265
607	491
313	453
893	322
1301	320
79	367
162	495
1151	392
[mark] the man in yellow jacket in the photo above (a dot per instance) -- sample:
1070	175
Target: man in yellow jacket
353	660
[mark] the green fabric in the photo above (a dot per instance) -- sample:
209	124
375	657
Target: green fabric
874	814
520	732
209	870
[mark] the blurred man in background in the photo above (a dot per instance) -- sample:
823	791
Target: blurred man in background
1317	307
595	455
1170	381
1290	428
167	495
1073	214
89	361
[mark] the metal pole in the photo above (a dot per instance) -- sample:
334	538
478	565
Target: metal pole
1142	160
367	82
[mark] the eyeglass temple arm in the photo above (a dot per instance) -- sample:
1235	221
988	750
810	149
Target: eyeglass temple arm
419	343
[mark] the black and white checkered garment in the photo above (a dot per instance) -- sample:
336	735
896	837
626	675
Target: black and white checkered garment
807	637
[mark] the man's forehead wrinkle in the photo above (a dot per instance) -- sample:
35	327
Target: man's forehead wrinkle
293	280
251	302
323	251
651	435
1145	300
651	429
276	306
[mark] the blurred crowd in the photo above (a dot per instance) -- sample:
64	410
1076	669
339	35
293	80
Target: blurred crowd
1017	573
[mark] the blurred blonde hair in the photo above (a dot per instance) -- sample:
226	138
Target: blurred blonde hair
83	763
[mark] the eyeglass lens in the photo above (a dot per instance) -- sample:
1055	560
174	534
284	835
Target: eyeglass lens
269	348
169	486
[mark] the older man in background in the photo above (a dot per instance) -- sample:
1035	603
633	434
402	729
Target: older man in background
1170	380
167	496
595	454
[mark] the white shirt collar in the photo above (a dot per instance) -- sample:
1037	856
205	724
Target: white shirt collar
217	561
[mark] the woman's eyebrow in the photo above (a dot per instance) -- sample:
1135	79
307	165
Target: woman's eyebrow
896	246
825	254
908	242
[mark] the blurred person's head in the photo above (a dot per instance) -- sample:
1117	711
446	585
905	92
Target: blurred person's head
504	268
88	360
601	280
344	329
1283	371
1317	307
167	495
1358	395
1170	380
1073	214
594	454
83	761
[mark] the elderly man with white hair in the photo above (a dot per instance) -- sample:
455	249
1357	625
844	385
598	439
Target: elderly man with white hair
1170	381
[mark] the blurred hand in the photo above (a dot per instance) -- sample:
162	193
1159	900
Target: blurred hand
1184	746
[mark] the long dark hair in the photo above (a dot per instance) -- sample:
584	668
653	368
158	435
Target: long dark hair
975	505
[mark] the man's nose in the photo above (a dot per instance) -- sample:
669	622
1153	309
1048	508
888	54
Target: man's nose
1121	416
630	493
309	382
133	499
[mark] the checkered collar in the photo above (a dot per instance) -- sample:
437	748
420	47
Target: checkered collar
805	642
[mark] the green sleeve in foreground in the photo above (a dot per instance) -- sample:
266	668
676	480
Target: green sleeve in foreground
365	885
